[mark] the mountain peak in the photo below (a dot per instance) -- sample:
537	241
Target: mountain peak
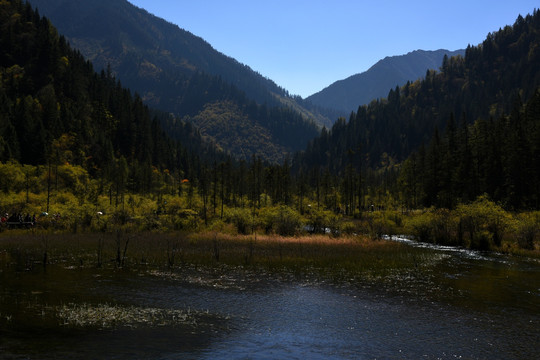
359	89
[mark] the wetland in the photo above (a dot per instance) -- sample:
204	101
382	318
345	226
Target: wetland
267	297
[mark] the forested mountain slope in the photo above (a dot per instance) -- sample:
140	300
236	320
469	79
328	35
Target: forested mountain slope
137	43
346	95
54	109
178	72
485	83
498	157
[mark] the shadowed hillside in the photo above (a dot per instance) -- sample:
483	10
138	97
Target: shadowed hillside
176	71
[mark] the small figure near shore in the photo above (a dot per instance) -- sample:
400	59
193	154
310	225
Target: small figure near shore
18	220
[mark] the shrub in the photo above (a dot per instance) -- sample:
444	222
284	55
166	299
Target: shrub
242	219
349	228
73	178
437	226
317	221
288	222
120	217
444	228
12	177
267	218
187	220
421	227
481	240
380	224
484	222
282	220
527	230
222	227
66	199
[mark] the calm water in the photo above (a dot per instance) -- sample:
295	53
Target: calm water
463	305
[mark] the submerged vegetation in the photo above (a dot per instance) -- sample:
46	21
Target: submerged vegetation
107	316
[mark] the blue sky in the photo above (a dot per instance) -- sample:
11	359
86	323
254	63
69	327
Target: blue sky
305	45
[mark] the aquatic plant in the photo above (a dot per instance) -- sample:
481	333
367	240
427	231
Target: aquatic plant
108	316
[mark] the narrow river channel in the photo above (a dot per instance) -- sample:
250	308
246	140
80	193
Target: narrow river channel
464	305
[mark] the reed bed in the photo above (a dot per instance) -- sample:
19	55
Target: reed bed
174	250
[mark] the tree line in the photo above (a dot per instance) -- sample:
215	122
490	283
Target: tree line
469	129
83	131
58	116
55	109
485	83
497	157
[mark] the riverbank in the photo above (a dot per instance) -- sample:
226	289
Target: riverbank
481	225
124	249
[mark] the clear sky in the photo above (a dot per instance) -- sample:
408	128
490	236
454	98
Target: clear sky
305	45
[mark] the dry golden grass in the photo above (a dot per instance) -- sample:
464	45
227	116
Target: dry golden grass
316	239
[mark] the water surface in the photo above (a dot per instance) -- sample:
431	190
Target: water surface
456	305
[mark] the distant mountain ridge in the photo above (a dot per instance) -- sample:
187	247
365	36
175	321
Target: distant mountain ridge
178	72
346	95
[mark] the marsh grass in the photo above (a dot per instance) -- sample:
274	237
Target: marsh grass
175	250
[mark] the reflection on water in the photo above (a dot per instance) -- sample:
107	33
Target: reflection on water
457	305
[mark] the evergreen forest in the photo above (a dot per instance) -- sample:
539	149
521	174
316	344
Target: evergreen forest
471	128
177	72
461	144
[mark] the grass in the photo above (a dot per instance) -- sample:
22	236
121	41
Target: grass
151	250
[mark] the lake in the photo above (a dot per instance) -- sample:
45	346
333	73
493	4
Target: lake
457	304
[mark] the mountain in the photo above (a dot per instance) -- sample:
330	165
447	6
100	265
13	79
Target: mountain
486	83
346	95
54	109
135	42
178	72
